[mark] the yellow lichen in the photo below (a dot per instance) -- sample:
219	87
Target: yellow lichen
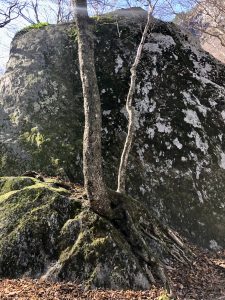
34	137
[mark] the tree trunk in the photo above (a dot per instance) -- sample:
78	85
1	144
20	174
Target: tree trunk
131	110
92	156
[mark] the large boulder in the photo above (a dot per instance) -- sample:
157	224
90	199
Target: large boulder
177	165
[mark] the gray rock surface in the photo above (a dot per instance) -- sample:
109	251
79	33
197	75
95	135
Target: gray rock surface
177	166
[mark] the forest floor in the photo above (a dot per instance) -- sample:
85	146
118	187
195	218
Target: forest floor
203	279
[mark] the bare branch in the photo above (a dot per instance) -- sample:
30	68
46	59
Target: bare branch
130	108
10	11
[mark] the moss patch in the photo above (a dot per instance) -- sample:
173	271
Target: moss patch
9	184
31	216
36	26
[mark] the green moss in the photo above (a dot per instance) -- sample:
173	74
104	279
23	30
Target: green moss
9	184
73	34
33	26
31	217
37	26
39	225
55	161
34	137
104	19
87	257
14	118
49	187
5	196
98	242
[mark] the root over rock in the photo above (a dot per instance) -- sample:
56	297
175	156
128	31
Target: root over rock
47	233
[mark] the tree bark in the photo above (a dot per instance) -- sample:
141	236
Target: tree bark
131	110
92	156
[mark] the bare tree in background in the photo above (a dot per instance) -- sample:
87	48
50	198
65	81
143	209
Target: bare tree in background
101	6
206	16
58	11
31	14
9	11
64	10
214	14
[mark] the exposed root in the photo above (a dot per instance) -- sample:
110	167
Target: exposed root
149	273
150	241
163	276
175	238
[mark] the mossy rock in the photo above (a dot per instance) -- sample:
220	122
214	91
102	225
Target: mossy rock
32	214
99	256
41	226
46	232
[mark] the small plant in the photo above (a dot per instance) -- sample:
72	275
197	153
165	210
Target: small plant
37	26
33	26
104	19
163	296
73	33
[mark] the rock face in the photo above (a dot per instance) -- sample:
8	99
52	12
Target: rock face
177	165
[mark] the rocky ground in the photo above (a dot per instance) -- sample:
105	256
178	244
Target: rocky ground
203	279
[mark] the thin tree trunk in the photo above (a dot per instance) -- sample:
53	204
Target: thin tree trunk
131	110
92	156
35	8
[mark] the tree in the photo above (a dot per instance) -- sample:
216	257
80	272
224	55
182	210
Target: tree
100	6
9	11
92	156
206	17
63	10
52	11
125	216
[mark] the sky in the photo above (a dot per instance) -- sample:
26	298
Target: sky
7	33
